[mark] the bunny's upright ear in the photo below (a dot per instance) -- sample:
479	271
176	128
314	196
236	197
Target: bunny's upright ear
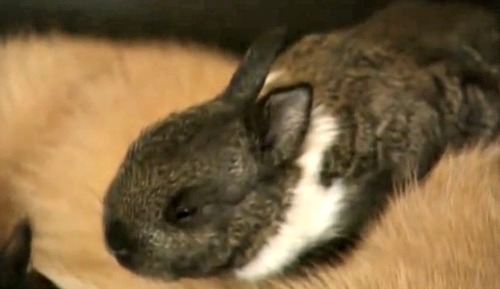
251	74
15	257
282	117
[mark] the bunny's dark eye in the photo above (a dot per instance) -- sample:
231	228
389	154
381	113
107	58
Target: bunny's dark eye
198	206
184	213
184	209
181	212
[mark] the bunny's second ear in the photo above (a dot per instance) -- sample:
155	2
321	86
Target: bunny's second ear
286	114
15	257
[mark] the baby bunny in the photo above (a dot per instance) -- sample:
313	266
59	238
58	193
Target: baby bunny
305	143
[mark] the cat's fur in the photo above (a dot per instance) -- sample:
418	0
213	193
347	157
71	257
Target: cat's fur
71	106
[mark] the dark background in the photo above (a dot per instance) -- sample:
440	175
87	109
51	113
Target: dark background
230	24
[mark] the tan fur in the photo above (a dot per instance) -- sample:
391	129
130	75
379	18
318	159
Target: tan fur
70	107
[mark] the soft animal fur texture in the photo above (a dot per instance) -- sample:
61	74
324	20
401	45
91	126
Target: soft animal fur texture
249	185
70	107
444	234
200	21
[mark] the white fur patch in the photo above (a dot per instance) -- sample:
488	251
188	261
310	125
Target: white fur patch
314	211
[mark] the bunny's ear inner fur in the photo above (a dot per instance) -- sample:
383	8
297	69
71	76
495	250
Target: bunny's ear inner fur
286	114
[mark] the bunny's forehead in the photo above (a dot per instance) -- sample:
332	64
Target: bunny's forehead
196	146
189	133
179	128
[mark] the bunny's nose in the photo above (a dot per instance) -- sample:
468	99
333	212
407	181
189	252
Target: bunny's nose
119	241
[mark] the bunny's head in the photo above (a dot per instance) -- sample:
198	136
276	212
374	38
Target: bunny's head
200	191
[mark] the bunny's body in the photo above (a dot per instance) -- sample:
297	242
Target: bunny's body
255	179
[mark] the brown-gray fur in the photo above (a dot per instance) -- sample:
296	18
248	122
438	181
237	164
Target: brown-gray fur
200	192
